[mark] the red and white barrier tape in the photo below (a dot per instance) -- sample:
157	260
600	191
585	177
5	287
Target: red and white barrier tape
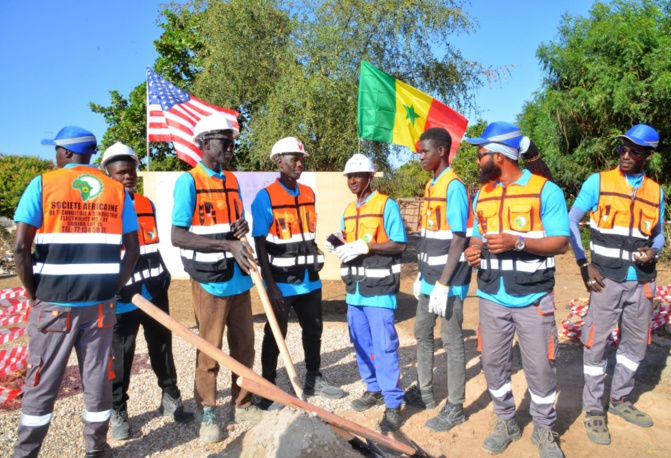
11	306
12	360
14	318
7	335
8	395
12	292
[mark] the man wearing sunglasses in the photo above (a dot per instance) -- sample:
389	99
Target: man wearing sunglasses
207	224
521	223
626	216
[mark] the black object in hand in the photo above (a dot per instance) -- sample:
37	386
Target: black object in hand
335	240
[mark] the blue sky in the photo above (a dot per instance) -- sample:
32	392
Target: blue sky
57	56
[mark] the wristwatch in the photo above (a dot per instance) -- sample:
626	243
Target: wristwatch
519	245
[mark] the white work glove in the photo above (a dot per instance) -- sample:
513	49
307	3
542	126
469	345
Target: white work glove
438	299
417	287
350	251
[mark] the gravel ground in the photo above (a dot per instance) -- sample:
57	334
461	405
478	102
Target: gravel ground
158	436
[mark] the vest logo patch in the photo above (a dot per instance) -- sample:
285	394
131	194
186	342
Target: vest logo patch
151	235
367	238
88	185
647	225
430	223
520	222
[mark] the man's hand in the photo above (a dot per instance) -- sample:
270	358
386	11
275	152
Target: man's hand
275	296
438	299
645	256
350	251
417	287
592	278
500	243
473	255
240	228
243	254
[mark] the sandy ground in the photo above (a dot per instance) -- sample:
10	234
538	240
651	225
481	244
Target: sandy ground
652	392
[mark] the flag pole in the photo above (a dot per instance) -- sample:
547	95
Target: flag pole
147	124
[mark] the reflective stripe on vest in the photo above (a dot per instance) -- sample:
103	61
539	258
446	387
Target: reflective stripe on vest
622	222
290	242
218	204
513	210
149	270
436	234
80	237
375	274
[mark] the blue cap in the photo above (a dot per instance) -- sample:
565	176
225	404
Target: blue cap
499	132
643	135
75	139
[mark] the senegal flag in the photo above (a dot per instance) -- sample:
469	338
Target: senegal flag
390	111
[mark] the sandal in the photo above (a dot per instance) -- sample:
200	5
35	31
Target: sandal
596	427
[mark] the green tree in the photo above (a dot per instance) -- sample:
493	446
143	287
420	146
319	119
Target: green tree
603	74
292	69
15	174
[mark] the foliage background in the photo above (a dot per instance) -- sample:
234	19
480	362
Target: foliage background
15	174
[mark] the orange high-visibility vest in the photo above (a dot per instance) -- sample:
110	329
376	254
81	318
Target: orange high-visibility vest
514	210
218	204
376	274
78	248
436	234
290	242
150	270
623	221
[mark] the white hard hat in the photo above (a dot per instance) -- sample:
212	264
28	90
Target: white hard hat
215	122
116	151
359	163
288	145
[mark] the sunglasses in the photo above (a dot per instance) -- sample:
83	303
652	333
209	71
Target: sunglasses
225	142
632	153
483	154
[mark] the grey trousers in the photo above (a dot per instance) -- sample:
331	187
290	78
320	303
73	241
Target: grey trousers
628	304
54	331
537	337
453	342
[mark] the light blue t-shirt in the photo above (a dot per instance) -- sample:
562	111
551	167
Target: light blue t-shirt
393	226
262	215
457	217
588	200
184	196
29	211
555	222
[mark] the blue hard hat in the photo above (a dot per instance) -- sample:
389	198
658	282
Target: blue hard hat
75	139
499	132
643	135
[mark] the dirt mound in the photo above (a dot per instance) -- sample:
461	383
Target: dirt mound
296	434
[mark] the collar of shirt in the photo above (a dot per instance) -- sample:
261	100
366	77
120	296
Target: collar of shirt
433	181
521	181
293	193
360	204
635	180
211	173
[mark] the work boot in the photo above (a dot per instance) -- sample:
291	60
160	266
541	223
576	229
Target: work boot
209	430
119	425
597	428
367	400
450	416
173	407
544	439
251	413
105	452
504	432
391	420
315	385
625	409
413	397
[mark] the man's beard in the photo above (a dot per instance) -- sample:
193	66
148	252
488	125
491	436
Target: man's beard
490	172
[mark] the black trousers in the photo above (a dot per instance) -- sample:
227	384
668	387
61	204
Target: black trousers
308	309
159	346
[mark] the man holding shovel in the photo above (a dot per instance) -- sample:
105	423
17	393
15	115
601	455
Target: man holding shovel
284	227
206	226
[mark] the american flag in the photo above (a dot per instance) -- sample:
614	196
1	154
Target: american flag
172	114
